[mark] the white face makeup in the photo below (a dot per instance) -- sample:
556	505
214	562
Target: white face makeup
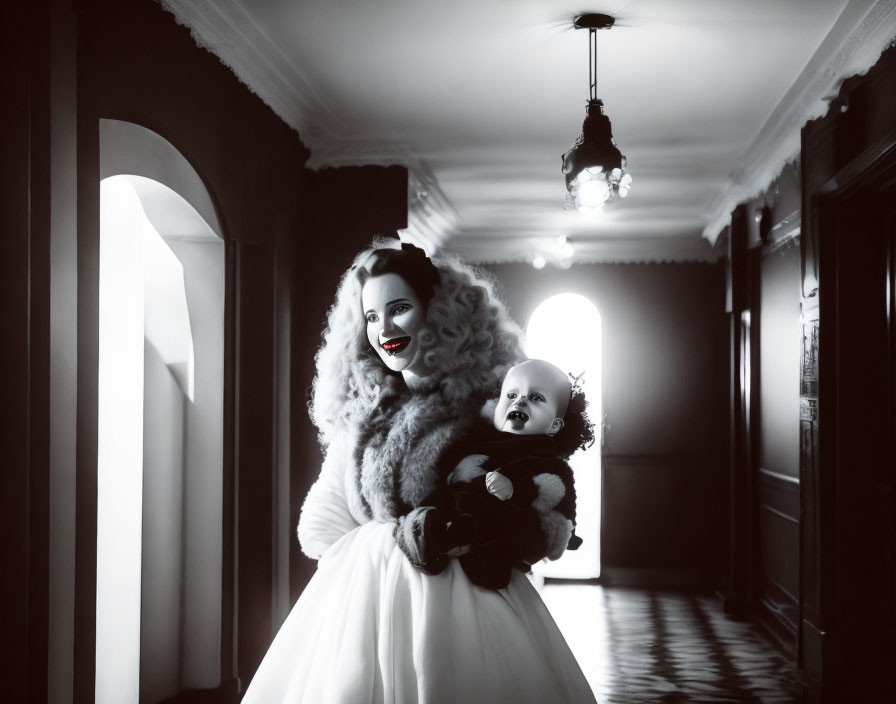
395	317
534	399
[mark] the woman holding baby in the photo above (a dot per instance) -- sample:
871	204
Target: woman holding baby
413	350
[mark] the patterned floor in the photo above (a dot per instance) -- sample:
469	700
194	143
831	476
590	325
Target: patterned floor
637	645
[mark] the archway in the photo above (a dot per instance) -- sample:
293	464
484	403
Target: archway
160	423
565	329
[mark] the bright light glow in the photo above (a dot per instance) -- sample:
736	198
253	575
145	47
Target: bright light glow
142	297
562	252
566	330
167	319
593	193
593	187
120	446
538	262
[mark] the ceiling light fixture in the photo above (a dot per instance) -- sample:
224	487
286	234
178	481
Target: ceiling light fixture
594	166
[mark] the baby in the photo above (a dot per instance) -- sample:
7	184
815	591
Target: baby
509	498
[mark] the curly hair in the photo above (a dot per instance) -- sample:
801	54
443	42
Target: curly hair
468	343
577	432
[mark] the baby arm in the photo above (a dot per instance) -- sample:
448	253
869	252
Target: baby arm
498	485
325	515
513	482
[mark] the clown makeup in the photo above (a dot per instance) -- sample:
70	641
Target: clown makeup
395	316
534	399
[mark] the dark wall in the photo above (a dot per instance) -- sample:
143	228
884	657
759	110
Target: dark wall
776	469
848	392
764	548
664	394
347	208
813	274
288	237
136	64
25	320
763	576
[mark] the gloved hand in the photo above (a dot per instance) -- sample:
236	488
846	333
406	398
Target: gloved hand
499	485
420	536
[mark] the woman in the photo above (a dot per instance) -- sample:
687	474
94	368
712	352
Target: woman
411	351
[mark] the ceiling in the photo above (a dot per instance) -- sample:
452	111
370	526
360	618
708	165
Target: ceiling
480	99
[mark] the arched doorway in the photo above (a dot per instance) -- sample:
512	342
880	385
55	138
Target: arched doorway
160	423
565	329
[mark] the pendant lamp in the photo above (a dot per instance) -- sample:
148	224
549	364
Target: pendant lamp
594	166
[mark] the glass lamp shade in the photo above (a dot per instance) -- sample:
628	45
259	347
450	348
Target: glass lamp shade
594	167
590	190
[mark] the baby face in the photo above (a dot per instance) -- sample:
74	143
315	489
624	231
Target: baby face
534	398
394	317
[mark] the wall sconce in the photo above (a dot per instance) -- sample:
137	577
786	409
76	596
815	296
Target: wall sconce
560	253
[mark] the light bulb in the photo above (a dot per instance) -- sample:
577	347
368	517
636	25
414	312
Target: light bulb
592	193
538	262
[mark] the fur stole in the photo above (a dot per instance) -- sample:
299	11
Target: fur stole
397	450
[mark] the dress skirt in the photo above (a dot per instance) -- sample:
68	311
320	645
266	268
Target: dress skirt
370	628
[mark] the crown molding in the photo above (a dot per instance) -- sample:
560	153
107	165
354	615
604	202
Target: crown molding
432	219
223	28
861	33
605	250
337	153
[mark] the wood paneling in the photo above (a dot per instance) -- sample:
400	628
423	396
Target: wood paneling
779	357
765	335
745	375
848	632
660	512
24	360
779	539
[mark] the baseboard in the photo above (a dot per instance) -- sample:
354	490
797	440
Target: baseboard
734	605
227	693
574	580
777	629
656	577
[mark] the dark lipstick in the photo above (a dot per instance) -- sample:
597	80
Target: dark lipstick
396	345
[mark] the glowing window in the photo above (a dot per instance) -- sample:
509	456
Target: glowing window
565	330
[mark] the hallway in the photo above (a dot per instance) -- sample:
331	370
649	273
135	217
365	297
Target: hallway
640	645
744	294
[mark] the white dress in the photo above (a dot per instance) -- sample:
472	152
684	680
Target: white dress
370	628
